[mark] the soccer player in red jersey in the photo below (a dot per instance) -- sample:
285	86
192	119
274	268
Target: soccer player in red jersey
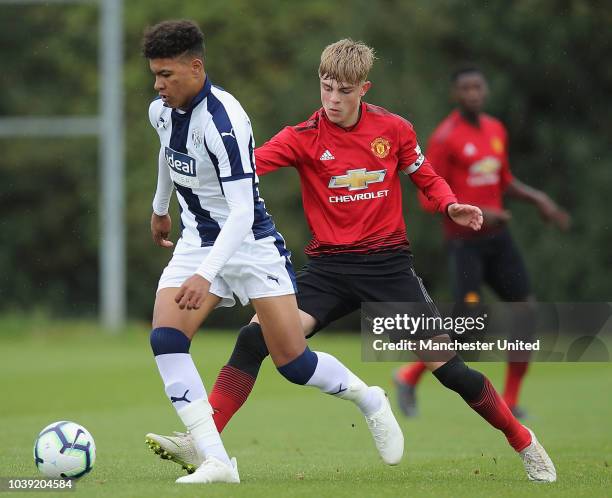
349	155
470	150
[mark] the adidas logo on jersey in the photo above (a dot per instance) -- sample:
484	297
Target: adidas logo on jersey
327	156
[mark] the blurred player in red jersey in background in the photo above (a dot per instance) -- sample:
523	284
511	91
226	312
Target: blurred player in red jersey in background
469	149
349	155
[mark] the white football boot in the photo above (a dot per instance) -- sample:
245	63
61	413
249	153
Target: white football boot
213	470
387	434
180	449
537	463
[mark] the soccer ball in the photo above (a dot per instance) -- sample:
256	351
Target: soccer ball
64	449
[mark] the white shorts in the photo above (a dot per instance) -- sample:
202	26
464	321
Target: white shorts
259	268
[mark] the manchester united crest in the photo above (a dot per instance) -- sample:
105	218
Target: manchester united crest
380	147
497	145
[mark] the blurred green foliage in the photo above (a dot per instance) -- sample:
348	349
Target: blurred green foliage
551	83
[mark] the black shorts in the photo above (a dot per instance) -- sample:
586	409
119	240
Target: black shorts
330	287
492	259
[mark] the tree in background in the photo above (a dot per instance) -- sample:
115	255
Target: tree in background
551	85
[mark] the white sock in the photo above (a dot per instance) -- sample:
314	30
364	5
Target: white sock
186	391
182	382
332	377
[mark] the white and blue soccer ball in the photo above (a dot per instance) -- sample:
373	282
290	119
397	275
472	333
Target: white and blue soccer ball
64	450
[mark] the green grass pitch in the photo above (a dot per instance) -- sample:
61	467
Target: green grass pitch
289	441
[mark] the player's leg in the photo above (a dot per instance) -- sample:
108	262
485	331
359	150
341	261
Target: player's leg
506	273
320	300
515	375
275	304
171	336
479	394
237	378
474	388
280	324
466	270
396	282
406	379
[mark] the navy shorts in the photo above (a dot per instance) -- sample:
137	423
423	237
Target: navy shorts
492	259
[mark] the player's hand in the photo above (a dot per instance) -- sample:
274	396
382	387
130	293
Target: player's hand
160	230
551	212
493	218
466	215
192	293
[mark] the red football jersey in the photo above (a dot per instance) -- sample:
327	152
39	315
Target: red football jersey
474	162
350	178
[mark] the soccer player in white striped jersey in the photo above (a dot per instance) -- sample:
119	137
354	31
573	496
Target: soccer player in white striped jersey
228	246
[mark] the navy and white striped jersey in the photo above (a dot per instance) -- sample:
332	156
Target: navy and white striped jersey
201	149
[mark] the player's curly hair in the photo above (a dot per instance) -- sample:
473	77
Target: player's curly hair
173	38
347	61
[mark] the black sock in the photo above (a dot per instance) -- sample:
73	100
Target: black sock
250	350
457	376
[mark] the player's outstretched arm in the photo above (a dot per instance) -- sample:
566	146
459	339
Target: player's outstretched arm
278	152
465	215
549	209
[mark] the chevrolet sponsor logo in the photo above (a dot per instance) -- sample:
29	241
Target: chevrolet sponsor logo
361	196
357	179
486	165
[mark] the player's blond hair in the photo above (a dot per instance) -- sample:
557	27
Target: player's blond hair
346	61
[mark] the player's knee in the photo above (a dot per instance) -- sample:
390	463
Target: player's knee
457	376
167	340
250	350
300	369
250	338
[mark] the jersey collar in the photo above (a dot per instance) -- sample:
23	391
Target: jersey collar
200	96
460	117
362	113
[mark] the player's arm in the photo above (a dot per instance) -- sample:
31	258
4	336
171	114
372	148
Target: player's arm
549	210
278	152
439	194
161	224
236	176
239	196
436	195
437	156
435	188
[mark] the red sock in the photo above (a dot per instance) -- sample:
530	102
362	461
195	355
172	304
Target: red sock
494	410
411	373
515	373
231	390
